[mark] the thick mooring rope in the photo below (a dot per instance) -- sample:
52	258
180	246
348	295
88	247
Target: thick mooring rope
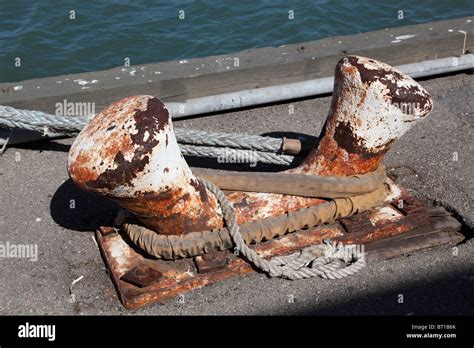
232	140
323	260
230	155
40	121
172	247
192	142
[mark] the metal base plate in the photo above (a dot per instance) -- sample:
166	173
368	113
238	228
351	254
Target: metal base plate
400	226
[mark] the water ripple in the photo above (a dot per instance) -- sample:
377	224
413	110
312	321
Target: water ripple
103	34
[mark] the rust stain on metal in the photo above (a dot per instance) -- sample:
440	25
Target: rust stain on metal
251	206
147	122
408	204
129	153
382	222
297	241
141	276
120	257
106	230
402	91
199	187
373	105
212	261
177	279
170	211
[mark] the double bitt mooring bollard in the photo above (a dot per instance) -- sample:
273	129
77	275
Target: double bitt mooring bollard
129	153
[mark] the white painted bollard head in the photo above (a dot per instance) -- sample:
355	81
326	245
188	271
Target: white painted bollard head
129	153
373	105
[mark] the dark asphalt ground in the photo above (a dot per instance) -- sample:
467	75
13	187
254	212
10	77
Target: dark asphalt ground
35	209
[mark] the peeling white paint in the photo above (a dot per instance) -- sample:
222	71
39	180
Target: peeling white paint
385	214
372	117
395	191
121	252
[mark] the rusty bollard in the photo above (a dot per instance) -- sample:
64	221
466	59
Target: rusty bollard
129	153
373	105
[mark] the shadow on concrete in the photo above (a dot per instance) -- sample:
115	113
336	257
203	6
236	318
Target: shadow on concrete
206	162
212	163
446	294
78	210
292	135
43	145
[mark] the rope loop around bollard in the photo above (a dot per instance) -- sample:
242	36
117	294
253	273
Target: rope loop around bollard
321	260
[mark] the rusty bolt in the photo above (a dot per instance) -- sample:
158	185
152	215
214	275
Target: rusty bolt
141	276
373	105
211	261
129	153
106	230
